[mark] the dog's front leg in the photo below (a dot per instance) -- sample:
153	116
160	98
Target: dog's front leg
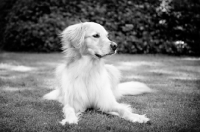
108	104
69	115
125	112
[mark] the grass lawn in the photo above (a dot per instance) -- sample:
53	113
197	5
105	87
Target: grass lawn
25	78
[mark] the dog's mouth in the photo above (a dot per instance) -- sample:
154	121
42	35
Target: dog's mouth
98	55
101	56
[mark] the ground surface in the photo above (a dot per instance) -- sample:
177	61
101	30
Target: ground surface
25	78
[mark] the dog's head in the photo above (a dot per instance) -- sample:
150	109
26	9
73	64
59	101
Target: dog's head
88	38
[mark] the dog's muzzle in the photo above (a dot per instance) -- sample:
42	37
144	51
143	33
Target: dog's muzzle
113	47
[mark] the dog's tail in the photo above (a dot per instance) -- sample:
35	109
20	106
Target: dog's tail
132	88
53	95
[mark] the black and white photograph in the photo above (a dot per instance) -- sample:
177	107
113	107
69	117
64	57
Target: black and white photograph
100	65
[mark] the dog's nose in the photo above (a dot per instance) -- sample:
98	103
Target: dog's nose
113	46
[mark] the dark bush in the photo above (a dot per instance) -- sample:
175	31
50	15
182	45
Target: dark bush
179	24
138	26
5	6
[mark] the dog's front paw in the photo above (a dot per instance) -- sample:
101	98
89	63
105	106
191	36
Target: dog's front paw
69	121
139	118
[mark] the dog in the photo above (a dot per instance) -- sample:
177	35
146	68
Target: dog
85	81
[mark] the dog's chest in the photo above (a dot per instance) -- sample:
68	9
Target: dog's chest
94	76
90	81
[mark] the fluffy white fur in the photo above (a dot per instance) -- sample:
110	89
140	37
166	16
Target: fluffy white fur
84	81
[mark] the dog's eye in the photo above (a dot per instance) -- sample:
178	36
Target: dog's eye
96	35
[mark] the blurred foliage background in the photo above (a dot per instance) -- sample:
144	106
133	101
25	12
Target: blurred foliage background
138	26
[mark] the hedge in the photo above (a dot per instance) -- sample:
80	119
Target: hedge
138	26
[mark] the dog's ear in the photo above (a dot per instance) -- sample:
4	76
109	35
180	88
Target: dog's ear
73	36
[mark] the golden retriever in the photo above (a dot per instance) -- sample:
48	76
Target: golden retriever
85	81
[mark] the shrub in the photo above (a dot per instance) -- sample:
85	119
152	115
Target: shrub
32	26
179	22
5	7
138	26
